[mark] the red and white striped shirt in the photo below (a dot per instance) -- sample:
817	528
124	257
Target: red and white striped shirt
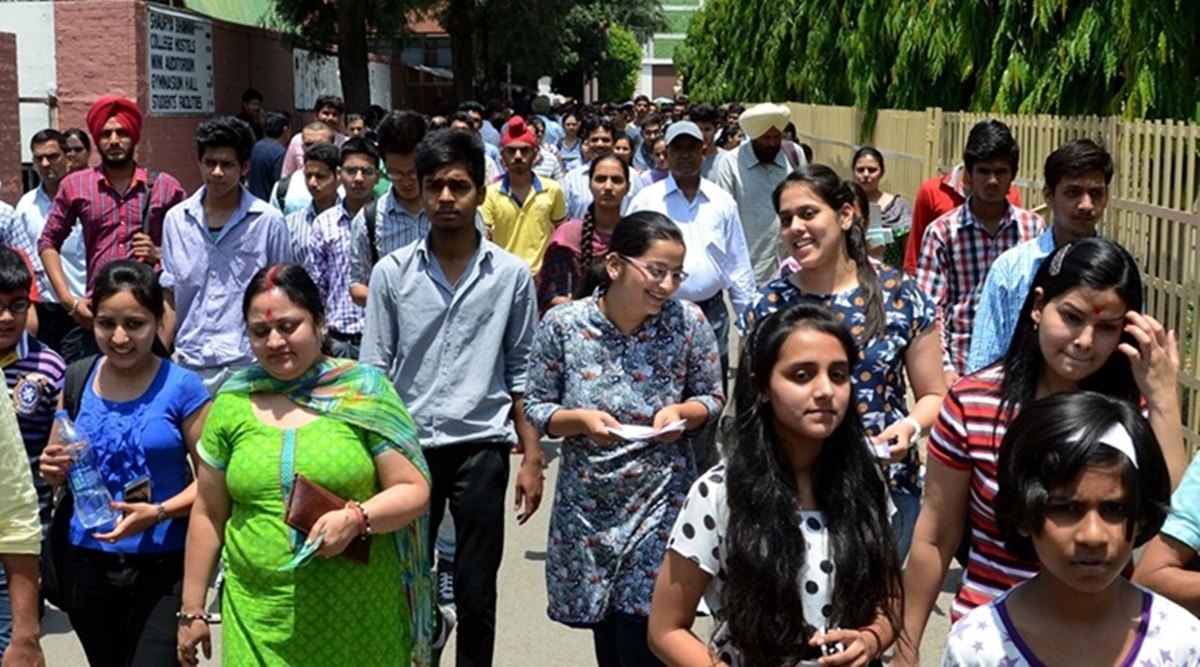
967	437
956	254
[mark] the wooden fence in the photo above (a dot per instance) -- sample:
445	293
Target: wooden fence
1153	208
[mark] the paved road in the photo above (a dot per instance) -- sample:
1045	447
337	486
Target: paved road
525	637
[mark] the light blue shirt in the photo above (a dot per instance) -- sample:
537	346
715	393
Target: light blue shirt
751	182
578	188
1008	283
456	352
208	278
31	214
1183	523
299	226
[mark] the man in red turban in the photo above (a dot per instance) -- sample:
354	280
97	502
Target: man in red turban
124	111
120	205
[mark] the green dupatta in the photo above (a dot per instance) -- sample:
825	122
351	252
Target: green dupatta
362	396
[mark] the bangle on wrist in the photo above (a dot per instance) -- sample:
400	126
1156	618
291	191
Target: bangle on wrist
356	513
162	513
74	307
918	431
878	642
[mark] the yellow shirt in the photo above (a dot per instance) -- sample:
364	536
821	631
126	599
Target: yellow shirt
20	532
524	228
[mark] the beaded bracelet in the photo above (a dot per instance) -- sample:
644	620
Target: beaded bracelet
207	618
366	520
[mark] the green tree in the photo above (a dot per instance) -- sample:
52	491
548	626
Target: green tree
1126	57
618	71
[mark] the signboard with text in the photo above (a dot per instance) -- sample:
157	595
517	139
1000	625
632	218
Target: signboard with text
181	64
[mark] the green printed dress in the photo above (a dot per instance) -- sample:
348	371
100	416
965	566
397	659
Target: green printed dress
329	611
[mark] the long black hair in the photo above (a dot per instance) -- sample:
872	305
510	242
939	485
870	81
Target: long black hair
765	548
1097	263
1053	440
836	193
632	237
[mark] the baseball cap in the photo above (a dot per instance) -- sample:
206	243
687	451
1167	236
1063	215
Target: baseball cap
684	128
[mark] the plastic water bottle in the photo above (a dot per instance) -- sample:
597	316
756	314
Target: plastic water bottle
87	485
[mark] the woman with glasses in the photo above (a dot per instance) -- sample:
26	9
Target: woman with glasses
79	149
626	358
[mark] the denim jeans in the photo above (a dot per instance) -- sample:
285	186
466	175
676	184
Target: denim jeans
908	507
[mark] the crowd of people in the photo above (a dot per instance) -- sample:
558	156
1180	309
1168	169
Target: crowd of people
304	383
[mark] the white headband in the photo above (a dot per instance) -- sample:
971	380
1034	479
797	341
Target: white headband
1117	437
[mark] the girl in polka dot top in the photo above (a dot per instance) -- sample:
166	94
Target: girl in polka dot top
787	541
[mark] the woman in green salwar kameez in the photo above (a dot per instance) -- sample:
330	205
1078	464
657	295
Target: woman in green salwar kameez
342	426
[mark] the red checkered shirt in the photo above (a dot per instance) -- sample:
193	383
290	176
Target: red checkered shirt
956	255
109	218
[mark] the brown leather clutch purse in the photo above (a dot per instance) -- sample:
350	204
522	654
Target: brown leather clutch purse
308	501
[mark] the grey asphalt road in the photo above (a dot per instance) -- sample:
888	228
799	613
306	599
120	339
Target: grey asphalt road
525	637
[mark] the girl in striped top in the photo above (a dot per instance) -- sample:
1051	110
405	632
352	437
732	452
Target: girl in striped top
1081	327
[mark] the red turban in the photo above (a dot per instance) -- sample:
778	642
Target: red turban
125	111
518	131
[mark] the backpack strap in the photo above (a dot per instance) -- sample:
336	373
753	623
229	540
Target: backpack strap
73	383
369	213
151	176
281	189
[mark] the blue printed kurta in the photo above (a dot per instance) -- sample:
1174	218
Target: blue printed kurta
614	505
879	387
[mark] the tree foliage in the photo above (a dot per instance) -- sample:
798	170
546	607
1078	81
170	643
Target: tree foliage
1135	58
618	69
570	39
536	38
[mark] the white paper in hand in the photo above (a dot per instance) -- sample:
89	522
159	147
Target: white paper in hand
635	432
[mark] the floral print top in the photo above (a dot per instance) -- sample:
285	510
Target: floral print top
879	385
615	504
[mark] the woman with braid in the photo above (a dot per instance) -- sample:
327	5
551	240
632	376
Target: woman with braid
577	242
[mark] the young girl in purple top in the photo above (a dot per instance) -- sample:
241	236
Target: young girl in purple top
1082	482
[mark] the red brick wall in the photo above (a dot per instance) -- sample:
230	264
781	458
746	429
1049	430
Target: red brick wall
10	133
245	57
102	50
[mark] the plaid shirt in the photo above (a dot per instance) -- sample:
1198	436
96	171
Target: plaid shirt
109	218
956	255
330	267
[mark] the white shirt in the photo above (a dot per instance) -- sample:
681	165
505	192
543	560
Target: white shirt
31	212
1167	634
717	257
